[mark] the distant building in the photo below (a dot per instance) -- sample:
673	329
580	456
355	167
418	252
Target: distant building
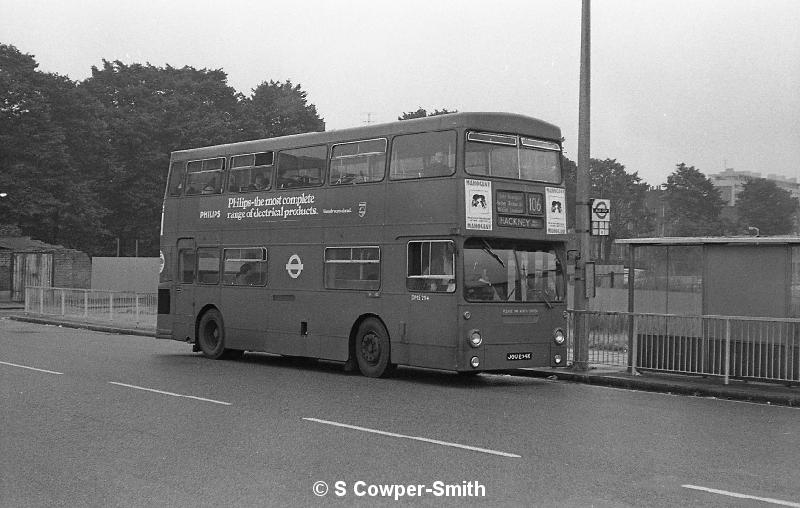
730	183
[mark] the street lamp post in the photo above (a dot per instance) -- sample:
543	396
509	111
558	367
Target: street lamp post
581	344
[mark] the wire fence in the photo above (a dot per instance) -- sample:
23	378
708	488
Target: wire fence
741	347
125	308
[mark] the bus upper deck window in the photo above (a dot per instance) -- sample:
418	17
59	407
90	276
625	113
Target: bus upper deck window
358	162
176	173
205	176
302	167
423	155
510	156
251	172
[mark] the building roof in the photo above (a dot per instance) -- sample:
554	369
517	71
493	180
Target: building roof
702	240
26	244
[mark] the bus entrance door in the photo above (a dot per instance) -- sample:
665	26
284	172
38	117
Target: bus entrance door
183	293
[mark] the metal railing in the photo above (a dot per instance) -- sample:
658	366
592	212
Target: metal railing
132	309
739	347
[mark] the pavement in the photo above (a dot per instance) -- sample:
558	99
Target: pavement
16	311
776	393
784	394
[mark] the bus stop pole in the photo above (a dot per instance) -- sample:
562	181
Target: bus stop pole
581	342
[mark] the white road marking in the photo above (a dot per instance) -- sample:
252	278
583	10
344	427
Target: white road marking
33	368
743	496
170	393
424	439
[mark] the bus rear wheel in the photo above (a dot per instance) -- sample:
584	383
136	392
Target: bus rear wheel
211	335
372	349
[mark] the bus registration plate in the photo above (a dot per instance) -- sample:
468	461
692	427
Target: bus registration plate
519	356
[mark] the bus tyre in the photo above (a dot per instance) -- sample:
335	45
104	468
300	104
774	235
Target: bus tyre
211	335
372	349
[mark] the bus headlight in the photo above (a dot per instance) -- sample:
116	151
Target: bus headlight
557	359
475	338
475	362
558	336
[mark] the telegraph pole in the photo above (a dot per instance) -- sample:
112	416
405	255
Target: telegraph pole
581	337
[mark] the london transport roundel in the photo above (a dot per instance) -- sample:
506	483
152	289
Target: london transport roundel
294	266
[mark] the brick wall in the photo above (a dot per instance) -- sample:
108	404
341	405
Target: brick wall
71	269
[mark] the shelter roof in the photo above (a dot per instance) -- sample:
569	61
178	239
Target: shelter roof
703	240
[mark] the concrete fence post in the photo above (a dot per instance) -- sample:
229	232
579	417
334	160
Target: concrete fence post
63	302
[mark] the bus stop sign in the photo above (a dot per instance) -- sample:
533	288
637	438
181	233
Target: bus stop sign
600	216
601	210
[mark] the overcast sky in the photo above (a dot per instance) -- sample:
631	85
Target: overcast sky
713	84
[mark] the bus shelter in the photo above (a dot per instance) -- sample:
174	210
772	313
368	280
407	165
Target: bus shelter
705	299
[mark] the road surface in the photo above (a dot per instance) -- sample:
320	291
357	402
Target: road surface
96	419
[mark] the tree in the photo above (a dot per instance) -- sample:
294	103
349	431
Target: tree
764	205
279	109
9	230
149	112
694	203
422	113
85	163
627	192
43	121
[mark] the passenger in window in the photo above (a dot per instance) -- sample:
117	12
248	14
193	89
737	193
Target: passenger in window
437	165
243	278
260	183
210	187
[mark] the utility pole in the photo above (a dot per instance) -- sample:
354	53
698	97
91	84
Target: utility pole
581	337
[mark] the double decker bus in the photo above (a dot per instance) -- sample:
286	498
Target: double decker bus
437	242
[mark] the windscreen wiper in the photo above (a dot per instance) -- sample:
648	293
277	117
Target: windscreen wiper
489	251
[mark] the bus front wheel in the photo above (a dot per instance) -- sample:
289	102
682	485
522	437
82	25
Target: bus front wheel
211	335
372	349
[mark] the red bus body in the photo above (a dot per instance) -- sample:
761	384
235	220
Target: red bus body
351	242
